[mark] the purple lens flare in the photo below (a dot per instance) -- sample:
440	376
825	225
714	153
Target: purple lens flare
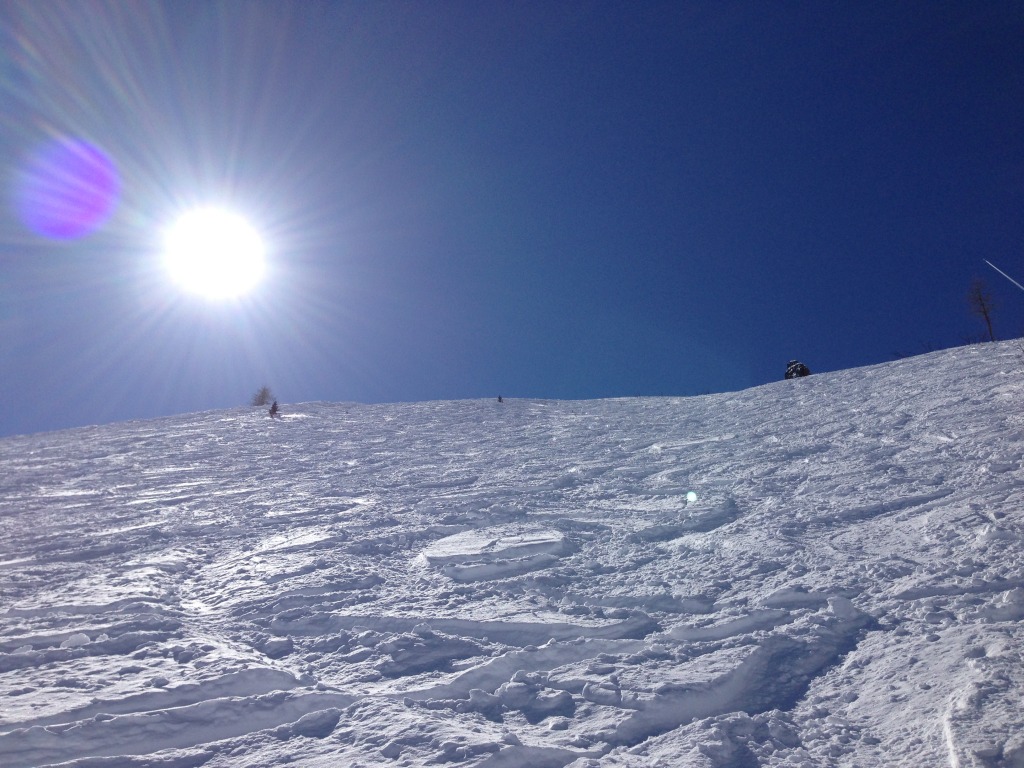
67	189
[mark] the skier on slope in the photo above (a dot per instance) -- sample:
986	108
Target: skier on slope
273	409
795	369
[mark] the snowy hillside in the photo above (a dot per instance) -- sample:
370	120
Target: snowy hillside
826	571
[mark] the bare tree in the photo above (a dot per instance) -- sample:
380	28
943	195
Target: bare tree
980	300
263	396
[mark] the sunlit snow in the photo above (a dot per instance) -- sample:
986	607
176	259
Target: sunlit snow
824	571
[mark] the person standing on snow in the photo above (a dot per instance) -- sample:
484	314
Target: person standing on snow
273	409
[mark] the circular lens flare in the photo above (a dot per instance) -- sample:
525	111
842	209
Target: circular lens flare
214	253
66	189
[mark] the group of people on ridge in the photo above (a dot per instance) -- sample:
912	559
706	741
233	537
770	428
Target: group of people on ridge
795	369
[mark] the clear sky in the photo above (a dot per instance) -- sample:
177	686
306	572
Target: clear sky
467	199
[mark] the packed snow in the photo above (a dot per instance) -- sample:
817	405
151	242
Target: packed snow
818	572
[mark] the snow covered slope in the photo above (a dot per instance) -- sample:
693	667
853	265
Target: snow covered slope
825	571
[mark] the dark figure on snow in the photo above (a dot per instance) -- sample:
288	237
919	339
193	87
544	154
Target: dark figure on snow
795	369
500	400
273	409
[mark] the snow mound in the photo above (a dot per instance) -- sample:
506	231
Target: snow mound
495	553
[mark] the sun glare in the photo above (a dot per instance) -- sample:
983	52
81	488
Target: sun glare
214	253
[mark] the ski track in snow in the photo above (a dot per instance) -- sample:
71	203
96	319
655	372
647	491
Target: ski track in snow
526	583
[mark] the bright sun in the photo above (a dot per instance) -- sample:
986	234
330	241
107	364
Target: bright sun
214	253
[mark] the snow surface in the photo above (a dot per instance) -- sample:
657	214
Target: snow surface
526	584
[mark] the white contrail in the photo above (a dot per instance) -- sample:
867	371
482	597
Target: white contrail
997	269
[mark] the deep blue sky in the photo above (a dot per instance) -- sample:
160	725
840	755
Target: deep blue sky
466	199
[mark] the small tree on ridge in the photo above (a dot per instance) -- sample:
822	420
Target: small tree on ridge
981	304
263	396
